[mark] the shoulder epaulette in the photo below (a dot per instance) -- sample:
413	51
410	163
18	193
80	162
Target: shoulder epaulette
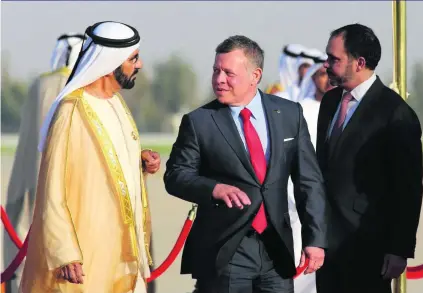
274	88
75	95
63	70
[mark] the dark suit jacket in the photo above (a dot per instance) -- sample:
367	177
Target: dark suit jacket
373	176
209	150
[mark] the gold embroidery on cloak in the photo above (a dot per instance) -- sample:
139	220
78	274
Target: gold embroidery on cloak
144	196
115	171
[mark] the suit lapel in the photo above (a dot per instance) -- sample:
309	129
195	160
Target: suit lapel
363	115
224	121
274	116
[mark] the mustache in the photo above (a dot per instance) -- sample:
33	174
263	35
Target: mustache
329	72
135	73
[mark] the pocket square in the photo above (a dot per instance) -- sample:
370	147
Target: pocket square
288	139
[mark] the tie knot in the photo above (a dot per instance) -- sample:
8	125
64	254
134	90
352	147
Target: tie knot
348	97
245	114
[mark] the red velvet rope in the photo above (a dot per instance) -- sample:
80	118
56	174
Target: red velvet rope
9	228
11	269
174	253
178	246
415	272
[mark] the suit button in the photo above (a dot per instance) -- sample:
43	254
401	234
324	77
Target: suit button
263	189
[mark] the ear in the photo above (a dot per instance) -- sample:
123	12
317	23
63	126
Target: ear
361	63
257	73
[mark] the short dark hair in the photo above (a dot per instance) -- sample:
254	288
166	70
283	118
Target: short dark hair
360	41
251	49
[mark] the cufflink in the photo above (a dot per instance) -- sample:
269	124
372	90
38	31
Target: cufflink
134	135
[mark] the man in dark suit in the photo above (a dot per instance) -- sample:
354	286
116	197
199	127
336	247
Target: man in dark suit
233	158
370	154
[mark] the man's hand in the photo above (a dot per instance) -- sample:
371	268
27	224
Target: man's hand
72	273
151	161
393	266
316	258
231	195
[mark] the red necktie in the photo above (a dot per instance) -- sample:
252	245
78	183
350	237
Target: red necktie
258	161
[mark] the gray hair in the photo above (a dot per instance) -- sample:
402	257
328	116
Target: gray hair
250	48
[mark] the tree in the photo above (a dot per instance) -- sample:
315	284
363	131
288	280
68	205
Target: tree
174	89
156	104
144	108
13	95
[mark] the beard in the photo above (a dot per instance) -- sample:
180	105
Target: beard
339	80
125	82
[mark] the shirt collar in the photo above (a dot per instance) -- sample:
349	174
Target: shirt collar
254	106
359	91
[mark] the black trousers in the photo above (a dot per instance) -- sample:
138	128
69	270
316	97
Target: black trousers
252	269
352	277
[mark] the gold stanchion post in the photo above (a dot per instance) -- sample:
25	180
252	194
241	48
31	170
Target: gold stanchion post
399	83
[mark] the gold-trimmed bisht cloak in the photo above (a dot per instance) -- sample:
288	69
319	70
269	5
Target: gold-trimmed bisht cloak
84	210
